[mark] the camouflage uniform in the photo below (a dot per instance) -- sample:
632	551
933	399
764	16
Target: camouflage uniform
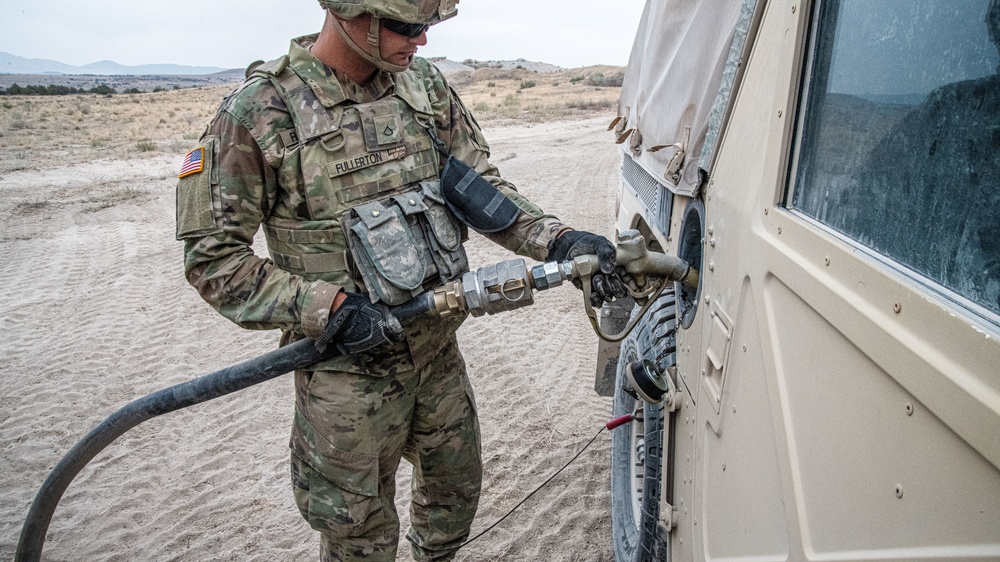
294	149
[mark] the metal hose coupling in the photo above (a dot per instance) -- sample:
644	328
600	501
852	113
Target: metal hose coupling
488	290
508	285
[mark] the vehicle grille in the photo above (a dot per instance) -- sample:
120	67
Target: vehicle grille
654	196
642	184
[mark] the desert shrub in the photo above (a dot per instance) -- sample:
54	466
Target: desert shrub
527	84
19	123
145	146
491	84
600	80
576	79
591	105
103	89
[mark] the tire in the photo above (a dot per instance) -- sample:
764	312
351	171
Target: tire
636	456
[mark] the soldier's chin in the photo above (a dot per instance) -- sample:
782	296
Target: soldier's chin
404	61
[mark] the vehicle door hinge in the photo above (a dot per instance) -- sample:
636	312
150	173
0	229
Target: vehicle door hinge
672	400
668	517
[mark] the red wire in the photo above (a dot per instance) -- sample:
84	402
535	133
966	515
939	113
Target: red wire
619	421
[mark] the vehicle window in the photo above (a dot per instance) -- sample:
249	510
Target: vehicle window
899	144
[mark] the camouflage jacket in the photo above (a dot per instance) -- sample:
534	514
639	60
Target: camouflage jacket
252	173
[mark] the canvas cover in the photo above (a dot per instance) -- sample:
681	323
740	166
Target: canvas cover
678	85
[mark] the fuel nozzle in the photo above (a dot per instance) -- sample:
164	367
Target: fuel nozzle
651	272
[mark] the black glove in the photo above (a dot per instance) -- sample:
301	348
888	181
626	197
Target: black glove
358	325
606	285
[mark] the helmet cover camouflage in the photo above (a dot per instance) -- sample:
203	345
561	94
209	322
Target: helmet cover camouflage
428	12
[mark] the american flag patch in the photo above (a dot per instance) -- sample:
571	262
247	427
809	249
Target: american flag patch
194	162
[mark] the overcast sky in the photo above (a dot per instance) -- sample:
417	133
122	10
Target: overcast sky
232	33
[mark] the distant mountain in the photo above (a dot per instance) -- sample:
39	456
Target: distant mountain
13	64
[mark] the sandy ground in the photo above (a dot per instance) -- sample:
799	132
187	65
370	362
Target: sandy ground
95	313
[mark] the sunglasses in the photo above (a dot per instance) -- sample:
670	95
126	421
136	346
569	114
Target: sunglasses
403	28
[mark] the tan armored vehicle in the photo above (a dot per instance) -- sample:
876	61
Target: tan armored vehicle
832	168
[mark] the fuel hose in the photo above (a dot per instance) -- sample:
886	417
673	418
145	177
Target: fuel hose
270	365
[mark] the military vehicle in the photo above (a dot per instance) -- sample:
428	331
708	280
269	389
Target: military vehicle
832	387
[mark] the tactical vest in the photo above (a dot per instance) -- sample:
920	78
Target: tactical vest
361	204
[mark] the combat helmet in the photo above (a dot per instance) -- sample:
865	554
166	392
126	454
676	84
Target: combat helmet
420	12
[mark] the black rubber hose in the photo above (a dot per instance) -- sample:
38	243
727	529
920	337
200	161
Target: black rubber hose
273	364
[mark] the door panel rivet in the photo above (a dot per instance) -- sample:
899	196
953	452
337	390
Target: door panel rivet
909	408
899	490
897	307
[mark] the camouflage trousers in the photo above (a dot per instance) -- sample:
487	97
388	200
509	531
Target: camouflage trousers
349	435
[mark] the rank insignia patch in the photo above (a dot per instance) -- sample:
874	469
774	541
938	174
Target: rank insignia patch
194	162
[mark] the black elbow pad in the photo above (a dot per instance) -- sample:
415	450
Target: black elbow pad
475	201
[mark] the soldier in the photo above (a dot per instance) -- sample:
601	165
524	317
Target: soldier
354	156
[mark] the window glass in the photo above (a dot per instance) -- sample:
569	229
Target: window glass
900	139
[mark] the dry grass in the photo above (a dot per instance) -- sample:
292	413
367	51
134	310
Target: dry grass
39	131
501	96
35	130
114	197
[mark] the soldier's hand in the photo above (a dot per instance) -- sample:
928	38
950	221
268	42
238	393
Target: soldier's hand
357	325
606	285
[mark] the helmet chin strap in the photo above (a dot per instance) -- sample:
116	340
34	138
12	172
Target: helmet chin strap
373	43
